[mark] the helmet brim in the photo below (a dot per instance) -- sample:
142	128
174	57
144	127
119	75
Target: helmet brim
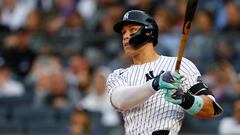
118	26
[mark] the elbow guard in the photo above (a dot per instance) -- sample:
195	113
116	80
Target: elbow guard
202	89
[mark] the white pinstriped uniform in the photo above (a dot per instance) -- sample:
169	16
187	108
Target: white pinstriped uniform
155	113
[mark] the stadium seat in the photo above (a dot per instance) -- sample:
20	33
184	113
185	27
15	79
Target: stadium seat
3	115
45	129
25	115
12	102
10	128
96	119
62	115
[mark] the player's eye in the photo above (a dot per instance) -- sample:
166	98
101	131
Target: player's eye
123	32
133	29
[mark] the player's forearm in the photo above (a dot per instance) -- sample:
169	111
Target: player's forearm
208	110
127	97
200	106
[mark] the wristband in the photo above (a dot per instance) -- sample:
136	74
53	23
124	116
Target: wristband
196	106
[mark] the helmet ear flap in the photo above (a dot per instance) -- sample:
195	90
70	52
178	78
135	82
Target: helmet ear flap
143	35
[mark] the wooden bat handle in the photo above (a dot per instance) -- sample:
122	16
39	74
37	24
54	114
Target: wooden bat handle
186	29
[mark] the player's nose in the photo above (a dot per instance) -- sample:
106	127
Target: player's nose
126	36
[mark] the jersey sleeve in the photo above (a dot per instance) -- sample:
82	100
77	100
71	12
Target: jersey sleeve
114	80
191	74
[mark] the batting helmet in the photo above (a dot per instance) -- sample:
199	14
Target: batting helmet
148	31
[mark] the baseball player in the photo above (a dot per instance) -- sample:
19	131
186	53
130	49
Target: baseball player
152	96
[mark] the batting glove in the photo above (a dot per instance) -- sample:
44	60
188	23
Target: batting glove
167	81
170	84
175	96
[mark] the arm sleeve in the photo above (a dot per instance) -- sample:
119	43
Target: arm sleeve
124	97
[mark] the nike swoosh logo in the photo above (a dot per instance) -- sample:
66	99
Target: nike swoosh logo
122	72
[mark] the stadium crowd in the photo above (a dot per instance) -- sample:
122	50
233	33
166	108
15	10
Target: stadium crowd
55	56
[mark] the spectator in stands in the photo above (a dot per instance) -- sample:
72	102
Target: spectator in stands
71	33
60	96
233	18
204	22
78	74
146	5
225	76
231	125
8	86
237	86
97	101
80	123
33	21
42	87
44	6
18	53
14	13
57	16
5	30
202	40
39	78
210	76
180	14
87	9
35	24
224	49
169	40
109	46
76	66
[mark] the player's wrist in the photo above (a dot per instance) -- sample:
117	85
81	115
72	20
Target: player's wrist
187	100
192	104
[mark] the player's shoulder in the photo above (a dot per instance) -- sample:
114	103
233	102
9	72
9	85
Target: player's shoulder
186	64
186	60
118	72
188	67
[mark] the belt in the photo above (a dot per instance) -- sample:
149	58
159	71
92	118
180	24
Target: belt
160	132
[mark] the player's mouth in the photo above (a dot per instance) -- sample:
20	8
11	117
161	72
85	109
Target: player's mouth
126	44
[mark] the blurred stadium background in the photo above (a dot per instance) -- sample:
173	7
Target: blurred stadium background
55	56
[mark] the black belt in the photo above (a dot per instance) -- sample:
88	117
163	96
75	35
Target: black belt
161	132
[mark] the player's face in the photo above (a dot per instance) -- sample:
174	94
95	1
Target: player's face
127	30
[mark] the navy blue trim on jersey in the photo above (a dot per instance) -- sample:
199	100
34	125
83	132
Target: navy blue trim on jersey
161	132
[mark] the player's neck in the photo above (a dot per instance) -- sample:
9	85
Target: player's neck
146	54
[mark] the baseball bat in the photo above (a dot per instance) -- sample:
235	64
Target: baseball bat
189	14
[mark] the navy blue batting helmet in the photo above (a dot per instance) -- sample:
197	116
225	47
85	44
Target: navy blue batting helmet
148	31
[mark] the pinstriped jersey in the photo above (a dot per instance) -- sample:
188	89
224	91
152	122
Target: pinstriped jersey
155	113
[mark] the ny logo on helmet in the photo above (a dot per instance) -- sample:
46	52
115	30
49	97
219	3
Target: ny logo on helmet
125	17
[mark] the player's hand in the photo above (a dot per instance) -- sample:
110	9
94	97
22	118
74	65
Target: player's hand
167	81
174	96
